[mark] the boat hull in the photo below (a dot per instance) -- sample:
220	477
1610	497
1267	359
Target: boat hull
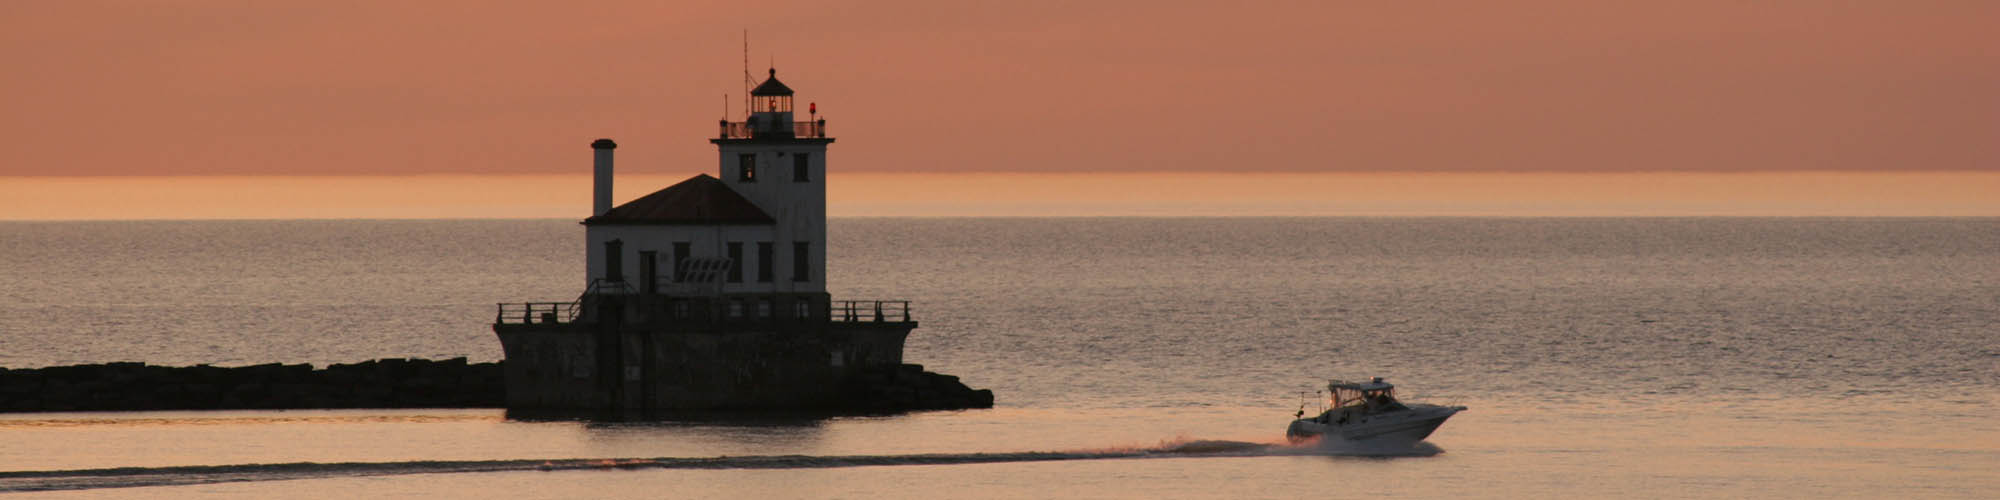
1405	426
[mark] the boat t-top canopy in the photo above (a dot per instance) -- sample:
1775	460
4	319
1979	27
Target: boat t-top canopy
1373	394
1372	385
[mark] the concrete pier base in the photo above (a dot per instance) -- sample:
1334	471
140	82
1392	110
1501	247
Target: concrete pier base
629	356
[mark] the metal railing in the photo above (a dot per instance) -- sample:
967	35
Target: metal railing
555	312
527	313
605	286
703	312
742	130
871	311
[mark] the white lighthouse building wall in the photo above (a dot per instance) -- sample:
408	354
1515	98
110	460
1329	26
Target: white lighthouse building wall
703	242
799	207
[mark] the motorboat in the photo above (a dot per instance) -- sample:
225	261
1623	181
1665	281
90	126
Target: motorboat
1368	411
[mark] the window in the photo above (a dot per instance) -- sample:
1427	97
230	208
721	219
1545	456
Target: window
764	309
802	167
680	261
746	167
649	278
736	308
799	260
735	262
614	260
764	258
801	309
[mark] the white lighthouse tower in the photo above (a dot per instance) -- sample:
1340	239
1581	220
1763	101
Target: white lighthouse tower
780	165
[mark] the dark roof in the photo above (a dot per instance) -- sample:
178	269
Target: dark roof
699	201
772	86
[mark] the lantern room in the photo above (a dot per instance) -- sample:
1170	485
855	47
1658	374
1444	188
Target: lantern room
772	96
771	108
770	116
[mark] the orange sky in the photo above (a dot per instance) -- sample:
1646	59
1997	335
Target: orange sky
189	87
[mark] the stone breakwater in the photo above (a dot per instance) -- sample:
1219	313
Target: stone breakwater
382	383
909	387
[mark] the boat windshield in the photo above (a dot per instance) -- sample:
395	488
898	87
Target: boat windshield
1355	396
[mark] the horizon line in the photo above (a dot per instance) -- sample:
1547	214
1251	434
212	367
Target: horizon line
1038	194
1051	172
1007	216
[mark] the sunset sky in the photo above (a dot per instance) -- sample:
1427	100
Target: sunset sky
215	92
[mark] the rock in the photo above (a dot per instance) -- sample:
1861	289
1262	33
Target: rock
389	383
896	388
384	383
203	396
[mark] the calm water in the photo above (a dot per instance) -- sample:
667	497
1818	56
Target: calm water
1132	357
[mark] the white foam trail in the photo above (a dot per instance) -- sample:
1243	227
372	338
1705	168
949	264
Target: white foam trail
126	477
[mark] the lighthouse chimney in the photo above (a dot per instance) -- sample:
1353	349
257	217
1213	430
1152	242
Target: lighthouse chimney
601	201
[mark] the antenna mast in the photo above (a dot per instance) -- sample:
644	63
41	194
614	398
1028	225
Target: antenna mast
746	74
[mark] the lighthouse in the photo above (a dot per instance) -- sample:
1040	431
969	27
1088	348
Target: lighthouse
711	294
753	235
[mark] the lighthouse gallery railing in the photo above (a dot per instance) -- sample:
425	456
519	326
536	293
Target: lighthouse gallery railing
802	130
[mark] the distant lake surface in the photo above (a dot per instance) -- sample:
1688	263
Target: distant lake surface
1652	357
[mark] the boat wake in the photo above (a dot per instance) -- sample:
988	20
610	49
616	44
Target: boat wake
129	477
1373	448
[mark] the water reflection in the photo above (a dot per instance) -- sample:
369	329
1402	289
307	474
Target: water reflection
726	430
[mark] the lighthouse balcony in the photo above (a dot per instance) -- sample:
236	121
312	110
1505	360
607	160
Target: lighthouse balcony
871	311
756	130
530	313
708	311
